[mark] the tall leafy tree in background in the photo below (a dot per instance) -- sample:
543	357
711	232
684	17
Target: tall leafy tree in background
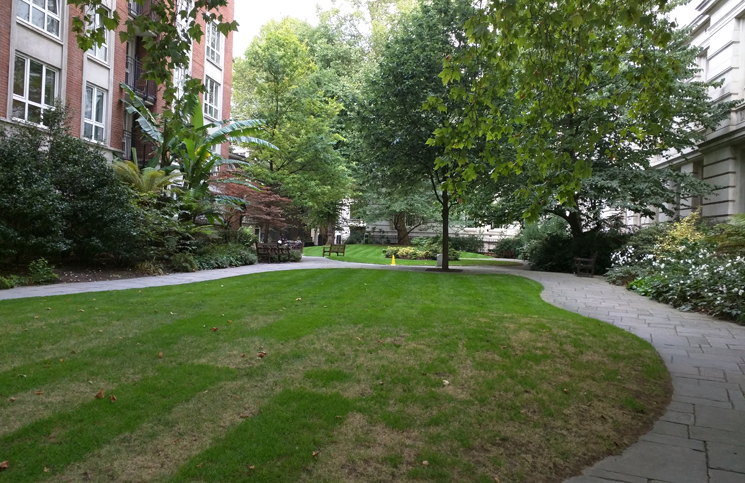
616	141
393	127
559	61
277	81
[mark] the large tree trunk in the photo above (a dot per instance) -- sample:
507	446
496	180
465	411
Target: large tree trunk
445	231
399	223
330	230
575	223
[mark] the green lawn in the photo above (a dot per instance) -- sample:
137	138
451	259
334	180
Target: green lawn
367	375
374	254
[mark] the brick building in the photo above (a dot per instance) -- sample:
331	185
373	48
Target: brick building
40	61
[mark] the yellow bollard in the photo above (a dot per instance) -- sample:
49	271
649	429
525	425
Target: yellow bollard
393	260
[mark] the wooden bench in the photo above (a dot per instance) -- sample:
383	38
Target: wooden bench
338	249
585	267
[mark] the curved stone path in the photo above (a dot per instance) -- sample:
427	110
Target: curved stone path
701	437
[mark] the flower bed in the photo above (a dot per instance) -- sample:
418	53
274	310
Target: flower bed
685	265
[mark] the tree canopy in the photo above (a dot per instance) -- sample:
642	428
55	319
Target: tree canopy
547	68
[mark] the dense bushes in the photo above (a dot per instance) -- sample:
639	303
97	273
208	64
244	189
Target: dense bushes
555	252
60	198
468	243
508	248
224	256
414	253
687	265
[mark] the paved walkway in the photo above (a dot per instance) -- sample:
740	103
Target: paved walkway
701	438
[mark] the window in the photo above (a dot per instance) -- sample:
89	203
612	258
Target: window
211	99
44	14
214	43
34	89
101	52
95	102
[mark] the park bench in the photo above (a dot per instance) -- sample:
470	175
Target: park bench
338	249
585	267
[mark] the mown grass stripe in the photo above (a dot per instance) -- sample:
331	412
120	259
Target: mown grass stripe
68	437
279	443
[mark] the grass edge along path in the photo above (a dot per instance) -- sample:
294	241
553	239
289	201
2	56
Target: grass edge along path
374	254
533	392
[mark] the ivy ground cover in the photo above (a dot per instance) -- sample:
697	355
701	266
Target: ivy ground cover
318	376
374	254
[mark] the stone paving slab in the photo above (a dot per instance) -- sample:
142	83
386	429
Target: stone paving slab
700	439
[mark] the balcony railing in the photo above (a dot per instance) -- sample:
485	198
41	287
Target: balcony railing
133	143
146	89
136	9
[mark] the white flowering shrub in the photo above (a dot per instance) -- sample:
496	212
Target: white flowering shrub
692	275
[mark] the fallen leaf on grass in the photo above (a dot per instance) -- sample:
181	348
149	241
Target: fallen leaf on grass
81	310
445	383
315	454
36	316
251	467
12	399
230	321
46	470
245	416
199	465
160	355
49	308
62	360
214	329
100	331
261	355
38	393
243	355
4	465
99	395
112	398
425	463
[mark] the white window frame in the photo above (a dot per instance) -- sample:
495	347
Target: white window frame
89	119
100	52
213	44
47	15
24	97
211	98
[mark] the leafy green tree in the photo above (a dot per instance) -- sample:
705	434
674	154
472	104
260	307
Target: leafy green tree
277	81
393	129
406	209
615	147
547	68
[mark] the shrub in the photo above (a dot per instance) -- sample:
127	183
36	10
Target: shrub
356	237
468	243
508	247
59	196
6	283
149	268
296	255
224	256
730	237
413	253
555	252
41	273
678	264
183	262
